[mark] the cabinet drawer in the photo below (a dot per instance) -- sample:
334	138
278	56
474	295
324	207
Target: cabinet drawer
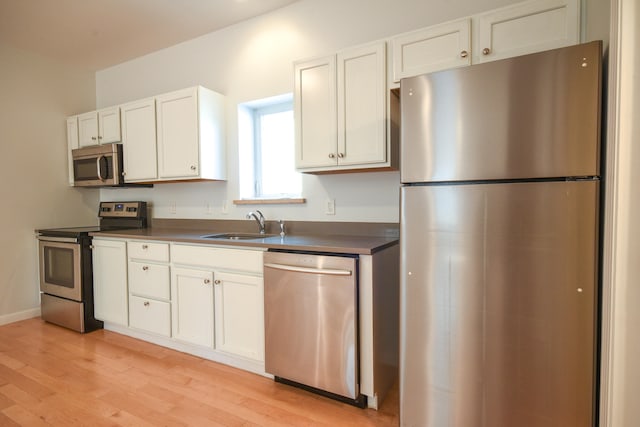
150	315
222	258
149	280
149	251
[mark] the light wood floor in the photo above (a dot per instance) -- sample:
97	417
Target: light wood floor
53	376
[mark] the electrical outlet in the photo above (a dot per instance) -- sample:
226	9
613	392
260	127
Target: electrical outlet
330	208
225	207
208	208
172	207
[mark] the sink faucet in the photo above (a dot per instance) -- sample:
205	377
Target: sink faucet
257	215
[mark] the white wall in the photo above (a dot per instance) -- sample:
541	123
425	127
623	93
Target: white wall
37	95
622	282
253	60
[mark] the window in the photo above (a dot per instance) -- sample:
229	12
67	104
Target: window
267	161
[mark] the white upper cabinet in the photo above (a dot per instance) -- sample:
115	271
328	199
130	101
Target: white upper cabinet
431	49
139	140
362	106
190	135
340	107
99	127
522	28
315	112
526	28
72	143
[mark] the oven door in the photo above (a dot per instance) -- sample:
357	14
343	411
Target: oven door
60	267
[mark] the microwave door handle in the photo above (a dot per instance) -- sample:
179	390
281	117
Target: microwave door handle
99	170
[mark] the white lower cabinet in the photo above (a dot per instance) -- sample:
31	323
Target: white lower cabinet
239	314
192	300
110	281
150	315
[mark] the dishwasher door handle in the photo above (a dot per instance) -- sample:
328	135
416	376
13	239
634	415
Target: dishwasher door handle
297	269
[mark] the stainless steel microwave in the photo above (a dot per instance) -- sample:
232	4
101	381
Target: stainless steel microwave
98	166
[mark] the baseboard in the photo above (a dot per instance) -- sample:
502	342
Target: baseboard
20	315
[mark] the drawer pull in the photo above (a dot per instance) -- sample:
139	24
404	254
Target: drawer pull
145	246
145	267
146	303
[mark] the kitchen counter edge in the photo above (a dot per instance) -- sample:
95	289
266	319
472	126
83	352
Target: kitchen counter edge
361	245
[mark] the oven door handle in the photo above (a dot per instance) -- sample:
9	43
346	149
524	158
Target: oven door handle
58	239
98	159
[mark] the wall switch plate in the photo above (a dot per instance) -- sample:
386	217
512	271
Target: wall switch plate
330	207
172	207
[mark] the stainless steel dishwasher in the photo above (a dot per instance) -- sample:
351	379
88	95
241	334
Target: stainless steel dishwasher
311	323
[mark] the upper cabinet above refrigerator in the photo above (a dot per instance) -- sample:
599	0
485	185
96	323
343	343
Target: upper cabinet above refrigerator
519	29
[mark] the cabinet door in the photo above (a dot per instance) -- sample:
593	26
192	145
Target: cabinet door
72	143
315	112
88	129
362	105
139	140
527	28
109	125
177	133
192	306
239	315
431	49
110	281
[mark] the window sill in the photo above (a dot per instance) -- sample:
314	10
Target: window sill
296	201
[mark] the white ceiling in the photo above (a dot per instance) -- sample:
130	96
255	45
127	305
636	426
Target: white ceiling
96	34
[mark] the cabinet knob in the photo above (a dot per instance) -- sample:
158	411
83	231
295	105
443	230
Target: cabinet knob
124	173
99	136
464	54
91	246
193	168
93	138
341	155
217	282
146	303
332	156
145	267
486	51
145	247
207	281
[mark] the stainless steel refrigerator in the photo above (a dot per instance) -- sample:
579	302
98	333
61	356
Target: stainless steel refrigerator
500	204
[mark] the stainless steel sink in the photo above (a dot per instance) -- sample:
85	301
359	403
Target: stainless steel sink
237	236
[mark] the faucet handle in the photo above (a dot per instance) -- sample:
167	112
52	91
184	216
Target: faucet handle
281	223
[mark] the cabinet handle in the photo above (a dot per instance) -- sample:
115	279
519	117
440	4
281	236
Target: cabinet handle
145	247
124	173
486	51
341	155
207	281
217	282
145	267
91	246
146	303
332	156
193	168
99	136
93	138
464	54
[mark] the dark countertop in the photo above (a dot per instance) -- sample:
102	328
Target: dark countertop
362	245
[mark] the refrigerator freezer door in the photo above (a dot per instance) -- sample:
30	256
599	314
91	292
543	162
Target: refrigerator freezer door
533	116
498	303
